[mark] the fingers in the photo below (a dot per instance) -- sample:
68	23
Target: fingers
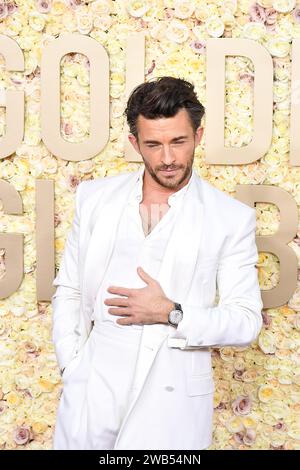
123	322
119	311
117	301
120	290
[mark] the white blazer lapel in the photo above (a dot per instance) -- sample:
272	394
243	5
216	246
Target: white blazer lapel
104	222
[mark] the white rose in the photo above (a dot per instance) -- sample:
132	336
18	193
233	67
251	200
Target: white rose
281	91
254	30
229	5
284	6
84	22
267	342
215	27
265	3
184	8
158	31
278	47
102	7
177	32
102	22
36	21
137	8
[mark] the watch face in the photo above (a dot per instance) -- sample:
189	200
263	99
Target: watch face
175	316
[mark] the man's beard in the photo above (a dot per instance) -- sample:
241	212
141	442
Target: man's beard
171	182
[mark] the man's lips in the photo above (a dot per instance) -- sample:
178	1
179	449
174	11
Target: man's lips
169	171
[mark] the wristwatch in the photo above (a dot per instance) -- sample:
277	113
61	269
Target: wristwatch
176	315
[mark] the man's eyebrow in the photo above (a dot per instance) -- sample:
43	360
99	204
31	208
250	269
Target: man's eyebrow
157	142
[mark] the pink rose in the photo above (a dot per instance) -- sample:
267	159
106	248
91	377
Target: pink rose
257	13
247	77
30	347
249	437
11	7
150	70
22	434
280	426
221	406
169	12
75	3
198	46
3	10
238	437
271	16
238	375
3	406
73	182
296	14
43	6
67	128
279	447
242	405
267	320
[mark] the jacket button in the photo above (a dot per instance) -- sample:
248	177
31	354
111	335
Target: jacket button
169	388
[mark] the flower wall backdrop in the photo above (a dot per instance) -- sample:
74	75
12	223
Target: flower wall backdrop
257	398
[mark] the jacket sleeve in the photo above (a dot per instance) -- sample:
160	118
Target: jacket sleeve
66	299
237	319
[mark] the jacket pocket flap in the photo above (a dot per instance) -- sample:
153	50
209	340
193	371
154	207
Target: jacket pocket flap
200	385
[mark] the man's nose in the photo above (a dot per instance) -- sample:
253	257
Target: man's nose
167	156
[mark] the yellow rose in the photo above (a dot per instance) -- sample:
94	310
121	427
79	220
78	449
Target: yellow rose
39	427
266	393
12	398
249	422
46	385
234	424
58	8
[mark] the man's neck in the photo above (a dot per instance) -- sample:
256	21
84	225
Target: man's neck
155	193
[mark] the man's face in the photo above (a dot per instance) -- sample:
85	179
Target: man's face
167	144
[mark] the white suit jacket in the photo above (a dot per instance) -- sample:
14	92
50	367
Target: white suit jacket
211	251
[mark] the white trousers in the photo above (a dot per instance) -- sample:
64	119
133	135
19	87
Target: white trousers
97	389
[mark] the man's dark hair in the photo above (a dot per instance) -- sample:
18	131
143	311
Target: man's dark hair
163	97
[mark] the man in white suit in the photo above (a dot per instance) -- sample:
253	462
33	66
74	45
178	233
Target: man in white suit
135	313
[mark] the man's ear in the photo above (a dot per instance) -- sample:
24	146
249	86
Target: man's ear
132	139
198	135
